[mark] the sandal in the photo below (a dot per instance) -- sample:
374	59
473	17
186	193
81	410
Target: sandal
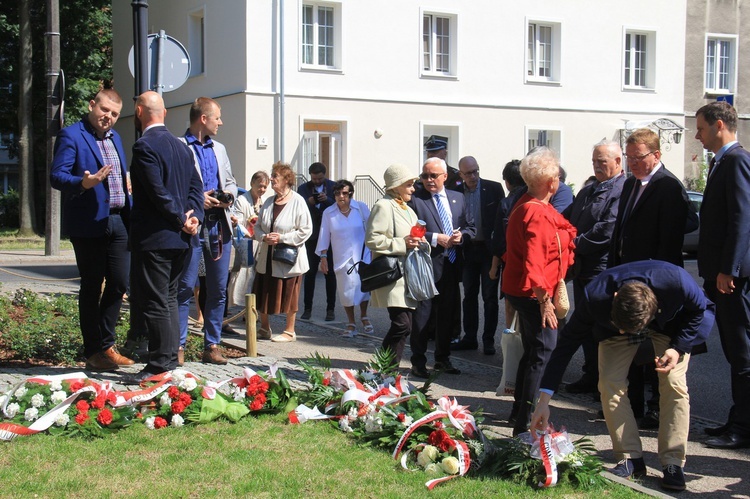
368	327
285	337
351	331
263	333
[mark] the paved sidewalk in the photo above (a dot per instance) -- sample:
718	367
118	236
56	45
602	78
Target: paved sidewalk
711	472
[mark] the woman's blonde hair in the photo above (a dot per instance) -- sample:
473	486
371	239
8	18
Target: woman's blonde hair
284	171
539	166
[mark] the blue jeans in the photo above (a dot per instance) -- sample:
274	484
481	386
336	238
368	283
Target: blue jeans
217	274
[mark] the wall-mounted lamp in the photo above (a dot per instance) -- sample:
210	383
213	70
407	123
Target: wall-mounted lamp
378	133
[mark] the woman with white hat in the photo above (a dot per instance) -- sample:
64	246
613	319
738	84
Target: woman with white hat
388	233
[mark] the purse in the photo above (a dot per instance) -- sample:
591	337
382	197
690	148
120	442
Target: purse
381	272
285	253
560	299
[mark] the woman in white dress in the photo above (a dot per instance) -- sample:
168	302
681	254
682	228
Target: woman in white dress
343	226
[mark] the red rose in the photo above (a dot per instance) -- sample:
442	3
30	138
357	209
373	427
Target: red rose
75	386
160	422
173	392
185	398
401	417
82	417
441	440
105	417
439	425
82	406
178	407
99	401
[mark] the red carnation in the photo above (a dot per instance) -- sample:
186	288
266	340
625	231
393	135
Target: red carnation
99	401
75	386
82	406
105	417
255	379
112	398
256	405
262	398
401	417
173	392
264	387
160	422
178	407
185	398
82	417
326	381
139	415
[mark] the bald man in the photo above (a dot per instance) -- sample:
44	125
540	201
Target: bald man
167	210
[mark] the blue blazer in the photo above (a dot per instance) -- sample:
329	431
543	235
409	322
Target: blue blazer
166	186
86	212
724	241
423	205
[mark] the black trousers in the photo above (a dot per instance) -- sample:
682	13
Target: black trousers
101	259
589	344
154	280
309	281
476	275
442	304
401	327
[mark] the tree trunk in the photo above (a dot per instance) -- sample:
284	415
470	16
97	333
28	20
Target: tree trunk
25	138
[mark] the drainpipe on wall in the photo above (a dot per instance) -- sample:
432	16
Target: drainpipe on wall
281	80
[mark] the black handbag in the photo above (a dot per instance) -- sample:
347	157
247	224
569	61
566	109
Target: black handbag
381	272
285	253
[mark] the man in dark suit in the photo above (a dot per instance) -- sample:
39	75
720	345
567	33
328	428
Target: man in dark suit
482	198
724	259
625	306
447	227
318	193
167	210
89	168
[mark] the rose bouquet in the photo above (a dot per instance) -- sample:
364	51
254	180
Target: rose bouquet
262	392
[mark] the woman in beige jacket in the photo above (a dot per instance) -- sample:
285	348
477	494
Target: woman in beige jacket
388	231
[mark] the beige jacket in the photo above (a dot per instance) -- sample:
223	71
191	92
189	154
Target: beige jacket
295	227
387	226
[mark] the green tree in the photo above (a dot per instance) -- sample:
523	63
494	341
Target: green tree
85	57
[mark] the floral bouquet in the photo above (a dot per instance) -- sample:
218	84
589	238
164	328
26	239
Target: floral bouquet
262	392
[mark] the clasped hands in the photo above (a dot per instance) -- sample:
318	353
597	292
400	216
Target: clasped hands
191	223
447	241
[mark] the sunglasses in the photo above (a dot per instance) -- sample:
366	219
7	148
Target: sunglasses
431	176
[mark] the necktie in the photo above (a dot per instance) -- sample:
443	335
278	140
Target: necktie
631	201
447	226
711	165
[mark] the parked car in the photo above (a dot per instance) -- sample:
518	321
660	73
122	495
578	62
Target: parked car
690	242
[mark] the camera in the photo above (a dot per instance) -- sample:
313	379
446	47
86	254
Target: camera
223	197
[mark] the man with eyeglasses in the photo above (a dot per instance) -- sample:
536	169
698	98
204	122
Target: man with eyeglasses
482	198
625	306
444	213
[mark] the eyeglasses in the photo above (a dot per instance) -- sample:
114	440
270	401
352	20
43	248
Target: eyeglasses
633	159
471	173
431	176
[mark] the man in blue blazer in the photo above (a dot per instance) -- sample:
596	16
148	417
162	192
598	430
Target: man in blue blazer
724	259
89	168
447	228
625	306
167	210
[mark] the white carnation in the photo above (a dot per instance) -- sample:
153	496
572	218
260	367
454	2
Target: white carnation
238	393
178	375
62	419
373	424
58	397
31	414
189	384
344	425
55	385
177	421
150	422
352	414
12	410
37	400
21	392
165	400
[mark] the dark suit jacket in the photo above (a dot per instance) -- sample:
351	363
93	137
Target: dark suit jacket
306	191
424	207
491	193
724	241
655	227
166	186
684	313
86	212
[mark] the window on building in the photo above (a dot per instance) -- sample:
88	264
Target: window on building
320	37
720	64
543	51
639	55
543	136
439	35
197	42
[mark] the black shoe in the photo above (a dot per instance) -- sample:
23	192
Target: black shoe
716	431
674	478
729	440
464	344
306	315
137	378
446	367
650	421
330	316
583	385
229	332
136	349
419	372
630	468
489	350
513	416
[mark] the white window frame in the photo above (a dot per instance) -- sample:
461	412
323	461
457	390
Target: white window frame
630	79
333	40
729	56
429	41
451	130
554	137
197	41
544	44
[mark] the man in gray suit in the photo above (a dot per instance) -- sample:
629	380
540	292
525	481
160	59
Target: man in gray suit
167	209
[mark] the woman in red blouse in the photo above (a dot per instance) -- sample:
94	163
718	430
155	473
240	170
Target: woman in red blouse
534	264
